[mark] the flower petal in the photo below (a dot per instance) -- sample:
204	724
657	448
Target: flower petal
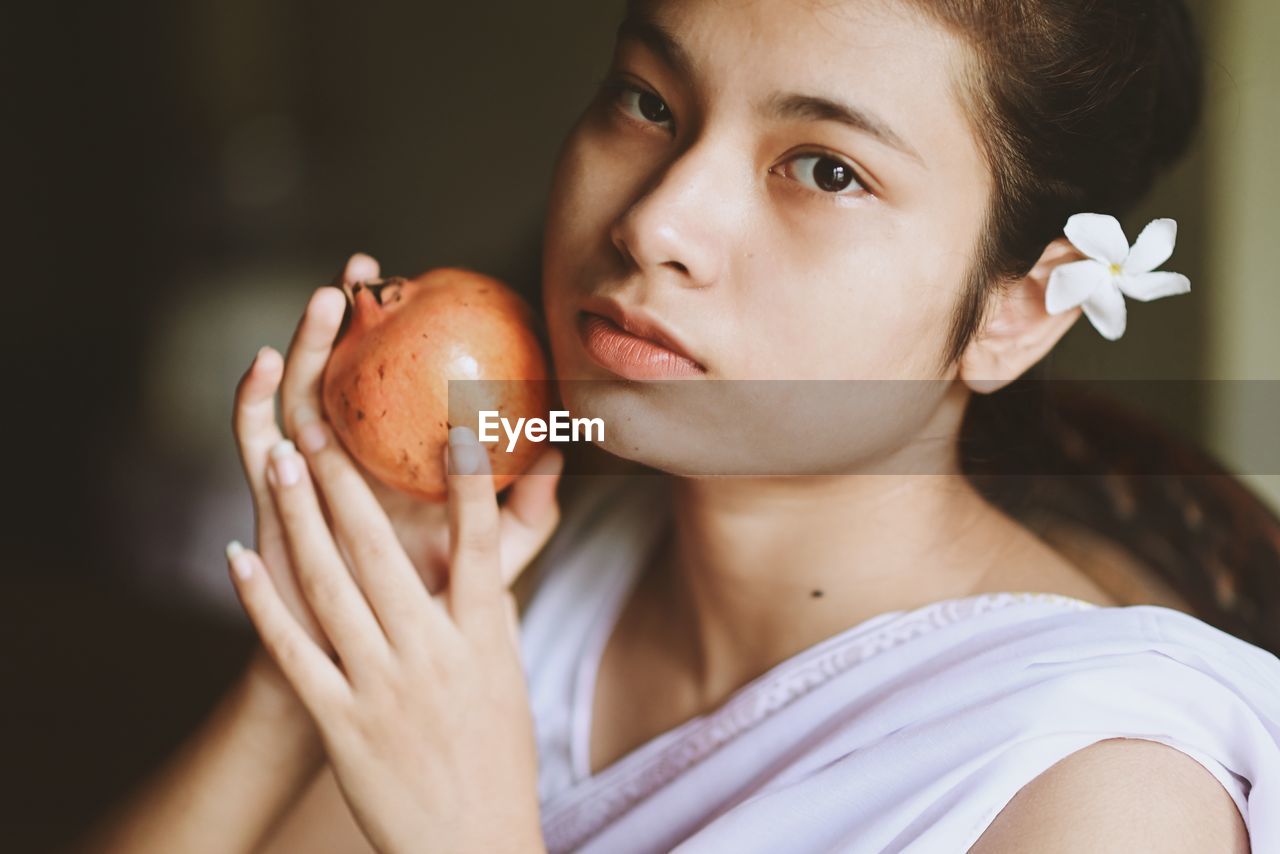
1149	286
1071	284
1153	247
1099	236
1106	311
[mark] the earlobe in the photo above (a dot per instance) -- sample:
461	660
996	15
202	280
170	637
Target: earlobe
1019	331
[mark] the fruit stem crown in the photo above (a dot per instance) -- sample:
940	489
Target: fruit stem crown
365	299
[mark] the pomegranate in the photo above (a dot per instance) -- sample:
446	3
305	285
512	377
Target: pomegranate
386	387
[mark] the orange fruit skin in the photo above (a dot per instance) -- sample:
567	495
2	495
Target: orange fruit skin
386	387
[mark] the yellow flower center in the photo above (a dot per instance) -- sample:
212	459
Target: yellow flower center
1116	269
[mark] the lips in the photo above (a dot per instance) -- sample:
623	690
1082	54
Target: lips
631	344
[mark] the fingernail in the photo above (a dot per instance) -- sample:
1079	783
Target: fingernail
311	434
464	450
284	460
239	564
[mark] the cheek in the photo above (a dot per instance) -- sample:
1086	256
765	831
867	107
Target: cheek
569	210
878	310
575	223
903	316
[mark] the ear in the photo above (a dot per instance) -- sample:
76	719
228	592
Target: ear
1019	331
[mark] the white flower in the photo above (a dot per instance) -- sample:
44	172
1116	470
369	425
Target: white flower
1113	270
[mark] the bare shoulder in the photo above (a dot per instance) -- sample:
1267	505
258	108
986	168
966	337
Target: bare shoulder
1120	795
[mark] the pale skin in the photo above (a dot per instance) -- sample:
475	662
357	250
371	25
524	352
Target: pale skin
343	665
687	201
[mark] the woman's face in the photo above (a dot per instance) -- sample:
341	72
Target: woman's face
789	189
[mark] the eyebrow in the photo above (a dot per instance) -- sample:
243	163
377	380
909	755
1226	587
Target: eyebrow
792	106
658	39
812	108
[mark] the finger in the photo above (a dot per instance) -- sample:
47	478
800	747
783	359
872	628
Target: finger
313	340
385	573
321	573
361	268
316	679
529	515
256	432
254	419
309	353
475	578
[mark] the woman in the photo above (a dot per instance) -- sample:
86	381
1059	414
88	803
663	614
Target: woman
868	657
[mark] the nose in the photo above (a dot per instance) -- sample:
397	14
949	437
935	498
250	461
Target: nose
675	225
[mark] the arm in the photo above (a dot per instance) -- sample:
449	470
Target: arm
229	782
1120	795
320	823
251	758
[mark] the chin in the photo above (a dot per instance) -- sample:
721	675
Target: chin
715	429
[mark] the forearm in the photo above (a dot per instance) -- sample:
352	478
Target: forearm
229	782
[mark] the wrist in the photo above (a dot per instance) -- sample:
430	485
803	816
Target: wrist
229	782
264	694
279	729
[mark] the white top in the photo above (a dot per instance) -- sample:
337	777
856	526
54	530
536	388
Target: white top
908	731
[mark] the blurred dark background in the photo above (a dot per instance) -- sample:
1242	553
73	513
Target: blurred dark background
181	175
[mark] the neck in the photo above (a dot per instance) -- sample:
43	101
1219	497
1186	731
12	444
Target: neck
758	569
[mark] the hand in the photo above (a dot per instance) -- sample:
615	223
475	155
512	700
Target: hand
528	515
424	715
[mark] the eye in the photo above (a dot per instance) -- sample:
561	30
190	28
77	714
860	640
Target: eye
825	174
638	104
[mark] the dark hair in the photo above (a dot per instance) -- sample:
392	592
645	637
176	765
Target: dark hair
1078	105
